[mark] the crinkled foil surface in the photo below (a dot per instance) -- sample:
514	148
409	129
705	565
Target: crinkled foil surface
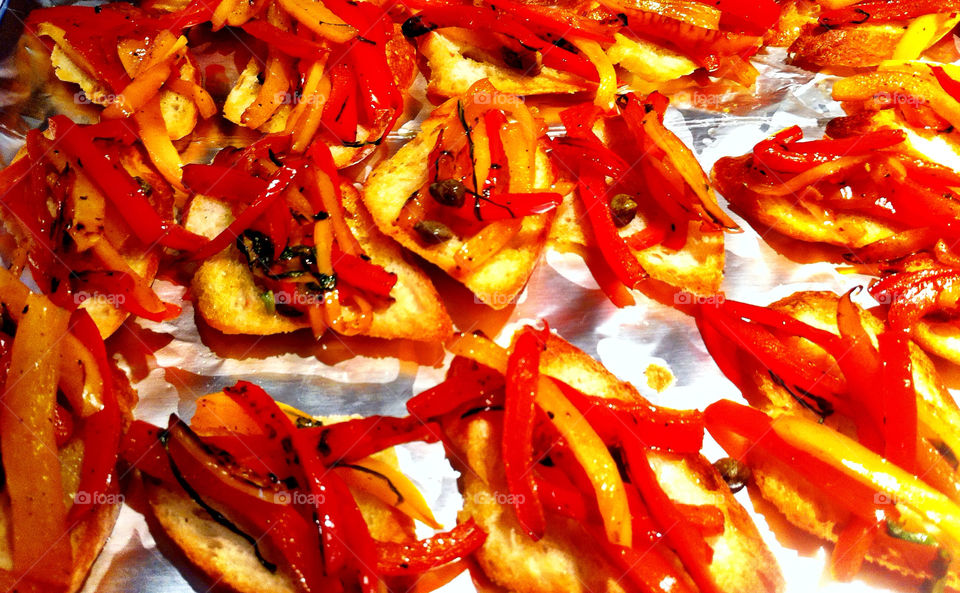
174	363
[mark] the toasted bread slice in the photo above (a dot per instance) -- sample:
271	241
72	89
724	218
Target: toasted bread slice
801	503
497	281
228	298
227	558
562	561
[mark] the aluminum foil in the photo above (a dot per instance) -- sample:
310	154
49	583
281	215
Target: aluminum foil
174	363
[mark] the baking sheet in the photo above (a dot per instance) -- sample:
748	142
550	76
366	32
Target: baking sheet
173	363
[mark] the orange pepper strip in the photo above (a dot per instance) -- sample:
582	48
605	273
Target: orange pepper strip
153	134
319	19
275	85
204	102
139	92
30	461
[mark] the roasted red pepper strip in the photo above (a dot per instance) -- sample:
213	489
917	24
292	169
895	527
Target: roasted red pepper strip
340	110
614	249
674	430
494	120
899	400
803	378
783	152
684	537
647	568
912	295
519	419
353	440
220	181
141	448
121	189
285	41
363	274
277	184
100	431
559	495
130	294
466	382
861	366
396	559
885	11
556	23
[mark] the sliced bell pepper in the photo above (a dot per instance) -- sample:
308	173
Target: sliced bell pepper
293	45
397	559
141	448
466	382
613	247
120	188
353	440
363	274
912	295
340	110
223	182
519	419
100	431
899	400
785	153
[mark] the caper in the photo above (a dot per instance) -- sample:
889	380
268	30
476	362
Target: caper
448	192
734	473
433	232
624	209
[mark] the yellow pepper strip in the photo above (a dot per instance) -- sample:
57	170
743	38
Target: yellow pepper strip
276	85
199	95
84	394
136	94
479	248
921	507
160	149
305	117
30	462
319	19
334	208
687	165
222	12
586	445
218	414
607	89
387	484
867	86
163	47
922	33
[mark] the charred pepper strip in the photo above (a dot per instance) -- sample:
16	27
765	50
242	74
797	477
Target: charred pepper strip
519	420
284	41
121	189
221	181
363	274
899	400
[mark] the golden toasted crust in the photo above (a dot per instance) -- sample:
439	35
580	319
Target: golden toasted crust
562	561
801	502
858	46
227	558
497	281
228	298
